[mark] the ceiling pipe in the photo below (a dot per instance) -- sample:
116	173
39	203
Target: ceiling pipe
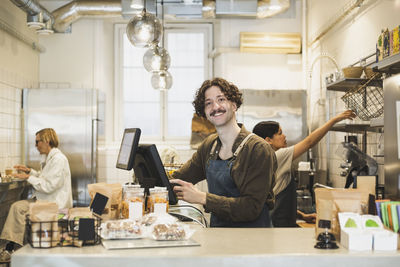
32	8
71	12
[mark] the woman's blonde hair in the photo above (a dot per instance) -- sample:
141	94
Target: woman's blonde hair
48	135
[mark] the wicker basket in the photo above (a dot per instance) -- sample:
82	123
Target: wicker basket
366	101
352	72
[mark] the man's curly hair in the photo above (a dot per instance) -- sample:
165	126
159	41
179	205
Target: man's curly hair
230	91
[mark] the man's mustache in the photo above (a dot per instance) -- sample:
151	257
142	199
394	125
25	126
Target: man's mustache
217	111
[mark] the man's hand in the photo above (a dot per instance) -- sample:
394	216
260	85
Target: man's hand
188	192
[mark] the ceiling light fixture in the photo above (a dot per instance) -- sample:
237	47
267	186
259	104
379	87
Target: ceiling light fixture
161	80
156	59
144	29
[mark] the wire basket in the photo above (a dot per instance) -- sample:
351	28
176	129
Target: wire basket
48	234
366	101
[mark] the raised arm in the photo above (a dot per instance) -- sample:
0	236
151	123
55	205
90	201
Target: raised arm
319	133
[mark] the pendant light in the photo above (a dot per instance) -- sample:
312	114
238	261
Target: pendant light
161	80
144	29
156	59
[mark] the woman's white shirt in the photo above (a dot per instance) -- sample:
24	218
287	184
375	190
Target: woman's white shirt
53	182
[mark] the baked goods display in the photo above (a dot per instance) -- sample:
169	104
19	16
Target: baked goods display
121	229
168	232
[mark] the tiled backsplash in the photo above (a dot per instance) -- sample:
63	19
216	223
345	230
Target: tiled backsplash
10	125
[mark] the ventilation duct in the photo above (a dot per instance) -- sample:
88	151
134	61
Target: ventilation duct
37	16
71	12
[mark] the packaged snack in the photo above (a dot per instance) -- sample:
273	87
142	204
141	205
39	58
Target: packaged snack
167	228
158	200
121	229
133	204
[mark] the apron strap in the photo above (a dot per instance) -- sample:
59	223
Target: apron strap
212	151
242	145
213	147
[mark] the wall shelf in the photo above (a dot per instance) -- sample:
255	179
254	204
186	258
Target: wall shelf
389	65
346	84
357	128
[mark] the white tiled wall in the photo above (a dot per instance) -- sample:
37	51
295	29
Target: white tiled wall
10	124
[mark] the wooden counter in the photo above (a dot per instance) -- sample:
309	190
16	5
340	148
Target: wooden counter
219	247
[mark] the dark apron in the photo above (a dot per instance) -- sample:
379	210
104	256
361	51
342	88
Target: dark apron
285	209
220	182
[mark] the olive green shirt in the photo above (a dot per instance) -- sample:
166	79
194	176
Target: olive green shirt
253	172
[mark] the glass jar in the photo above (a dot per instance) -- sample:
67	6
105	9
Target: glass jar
158	201
132	202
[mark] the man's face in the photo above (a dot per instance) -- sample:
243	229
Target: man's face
278	140
218	109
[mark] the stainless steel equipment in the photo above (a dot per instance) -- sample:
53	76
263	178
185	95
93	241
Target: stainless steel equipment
76	116
356	162
391	88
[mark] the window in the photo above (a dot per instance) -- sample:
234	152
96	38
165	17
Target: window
161	115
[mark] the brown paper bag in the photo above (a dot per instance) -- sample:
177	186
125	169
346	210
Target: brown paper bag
114	194
329	202
43	216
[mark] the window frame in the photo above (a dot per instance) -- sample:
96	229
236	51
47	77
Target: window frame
119	31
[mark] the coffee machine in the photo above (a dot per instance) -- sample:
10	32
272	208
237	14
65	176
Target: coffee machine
357	163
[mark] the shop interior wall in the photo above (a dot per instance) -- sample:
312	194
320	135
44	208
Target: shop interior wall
19	68
85	58
346	43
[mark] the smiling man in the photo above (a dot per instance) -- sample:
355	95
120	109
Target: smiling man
239	189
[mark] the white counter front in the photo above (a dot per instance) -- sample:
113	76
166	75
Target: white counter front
219	247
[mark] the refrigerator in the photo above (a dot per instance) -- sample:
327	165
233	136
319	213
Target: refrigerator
77	116
391	90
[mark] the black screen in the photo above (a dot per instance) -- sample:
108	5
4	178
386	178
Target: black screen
150	171
128	148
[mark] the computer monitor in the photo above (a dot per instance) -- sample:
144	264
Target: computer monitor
128	148
150	171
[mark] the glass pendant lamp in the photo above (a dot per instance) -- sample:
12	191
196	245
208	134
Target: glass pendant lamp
144	30
156	59
161	80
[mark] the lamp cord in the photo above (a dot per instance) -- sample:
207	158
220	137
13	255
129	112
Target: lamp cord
162	17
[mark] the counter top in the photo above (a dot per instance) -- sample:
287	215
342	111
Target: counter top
219	247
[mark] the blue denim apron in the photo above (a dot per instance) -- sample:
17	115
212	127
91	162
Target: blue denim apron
220	182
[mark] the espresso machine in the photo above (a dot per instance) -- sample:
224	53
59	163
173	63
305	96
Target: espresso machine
357	163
